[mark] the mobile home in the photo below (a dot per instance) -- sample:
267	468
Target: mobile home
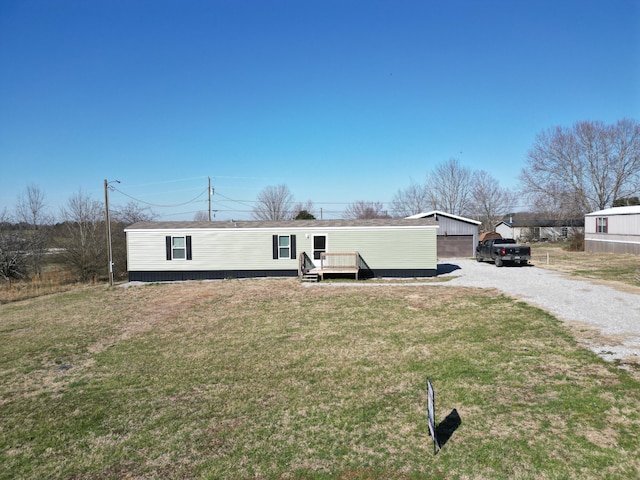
615	230
166	251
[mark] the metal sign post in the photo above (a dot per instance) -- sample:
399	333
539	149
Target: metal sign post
431	413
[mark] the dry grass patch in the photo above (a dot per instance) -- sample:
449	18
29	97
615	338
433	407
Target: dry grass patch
271	379
618	270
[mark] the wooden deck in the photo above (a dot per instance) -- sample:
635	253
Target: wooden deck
321	272
331	263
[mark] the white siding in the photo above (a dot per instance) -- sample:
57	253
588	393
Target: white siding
624	224
589	225
616	224
389	248
224	249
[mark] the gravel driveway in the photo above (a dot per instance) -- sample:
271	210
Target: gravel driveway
614	313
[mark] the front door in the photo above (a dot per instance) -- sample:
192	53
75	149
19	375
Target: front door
319	246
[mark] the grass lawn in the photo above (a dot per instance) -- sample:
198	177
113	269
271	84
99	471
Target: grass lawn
272	379
621	270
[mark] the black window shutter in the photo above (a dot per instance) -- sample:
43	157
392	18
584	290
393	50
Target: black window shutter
275	247
168	243
189	256
293	247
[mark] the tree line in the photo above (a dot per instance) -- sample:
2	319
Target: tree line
30	239
568	172
449	187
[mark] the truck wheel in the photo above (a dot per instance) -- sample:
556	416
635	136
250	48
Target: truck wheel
498	262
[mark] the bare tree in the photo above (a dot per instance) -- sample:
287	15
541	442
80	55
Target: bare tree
591	163
84	247
558	203
31	207
490	201
201	216
449	187
31	211
132	213
411	200
274	203
365	210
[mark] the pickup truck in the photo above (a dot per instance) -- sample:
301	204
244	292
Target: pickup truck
501	251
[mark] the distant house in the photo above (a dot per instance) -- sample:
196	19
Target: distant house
526	227
164	251
457	236
614	230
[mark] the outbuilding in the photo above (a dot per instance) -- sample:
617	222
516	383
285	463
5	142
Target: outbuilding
615	230
457	236
165	251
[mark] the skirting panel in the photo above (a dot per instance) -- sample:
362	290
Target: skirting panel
168	276
611	247
398	273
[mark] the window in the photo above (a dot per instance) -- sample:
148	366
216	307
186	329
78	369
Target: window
178	248
284	246
601	224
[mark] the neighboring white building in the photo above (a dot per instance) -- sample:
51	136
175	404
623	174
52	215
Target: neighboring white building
457	236
525	227
615	230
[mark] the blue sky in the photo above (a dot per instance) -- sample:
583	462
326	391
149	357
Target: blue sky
340	100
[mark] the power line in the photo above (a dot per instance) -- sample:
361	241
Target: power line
164	182
163	206
248	206
241	202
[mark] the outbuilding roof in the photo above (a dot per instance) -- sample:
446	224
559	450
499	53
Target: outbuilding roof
627	210
246	224
435	213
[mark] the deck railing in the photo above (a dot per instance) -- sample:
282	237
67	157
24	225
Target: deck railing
333	260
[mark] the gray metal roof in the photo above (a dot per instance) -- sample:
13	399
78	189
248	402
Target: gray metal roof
376	222
436	213
628	210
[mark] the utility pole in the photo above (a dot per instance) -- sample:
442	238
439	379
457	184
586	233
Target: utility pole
106	211
210	195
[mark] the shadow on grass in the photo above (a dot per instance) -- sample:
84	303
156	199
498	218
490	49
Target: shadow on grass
445	428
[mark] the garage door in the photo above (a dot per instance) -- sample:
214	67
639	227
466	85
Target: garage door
455	246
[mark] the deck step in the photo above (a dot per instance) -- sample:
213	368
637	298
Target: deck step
310	277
